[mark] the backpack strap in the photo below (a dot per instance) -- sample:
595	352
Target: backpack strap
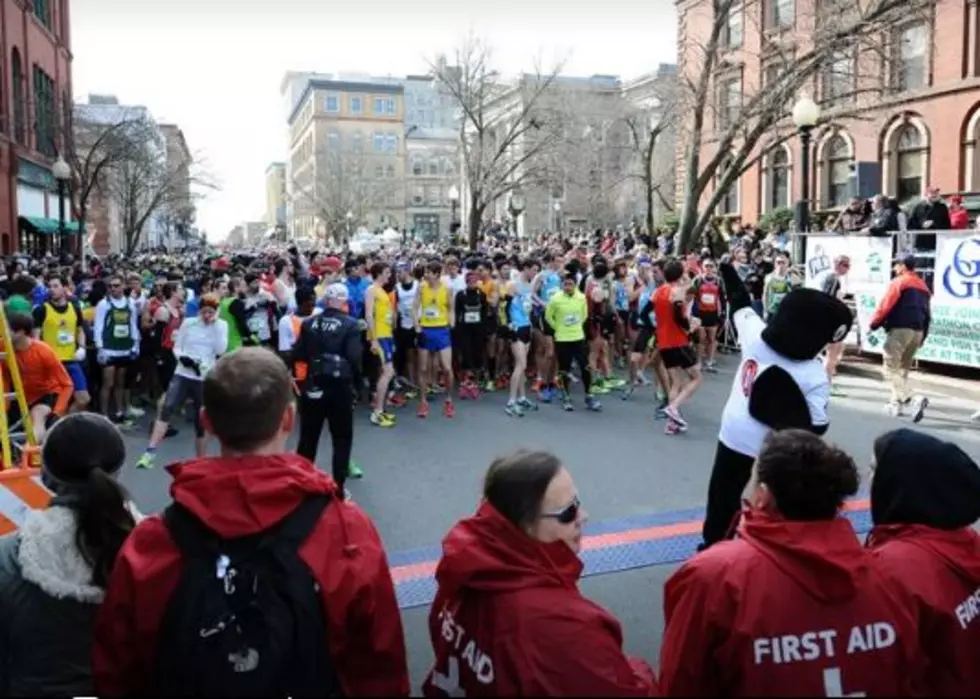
189	532
297	525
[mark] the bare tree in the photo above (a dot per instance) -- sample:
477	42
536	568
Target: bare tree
506	128
838	52
342	182
647	137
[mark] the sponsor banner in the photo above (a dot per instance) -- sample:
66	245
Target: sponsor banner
954	336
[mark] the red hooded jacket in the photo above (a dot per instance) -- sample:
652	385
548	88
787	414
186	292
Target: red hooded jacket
236	497
788	609
508	620
942	570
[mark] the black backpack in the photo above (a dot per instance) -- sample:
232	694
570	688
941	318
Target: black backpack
246	618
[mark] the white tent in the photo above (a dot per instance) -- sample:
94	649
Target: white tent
391	236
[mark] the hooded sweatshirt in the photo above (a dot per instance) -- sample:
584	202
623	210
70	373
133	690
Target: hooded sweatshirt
508	620
237	497
922	539
788	609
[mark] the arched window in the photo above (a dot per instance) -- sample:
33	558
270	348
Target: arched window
971	151
17	71
417	169
909	163
837	155
777	179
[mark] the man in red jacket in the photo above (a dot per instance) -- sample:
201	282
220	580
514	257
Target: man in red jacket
793	606
254	485
923	539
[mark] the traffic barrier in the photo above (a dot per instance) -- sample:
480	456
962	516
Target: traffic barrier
21	490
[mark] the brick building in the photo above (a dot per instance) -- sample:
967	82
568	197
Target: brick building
912	118
35	113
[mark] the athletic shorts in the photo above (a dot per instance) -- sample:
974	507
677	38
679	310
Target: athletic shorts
521	335
642	342
709	319
13	412
77	374
505	333
678	357
604	325
435	339
119	362
387	349
624	317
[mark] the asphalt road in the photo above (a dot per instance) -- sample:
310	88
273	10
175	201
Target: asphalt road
422	476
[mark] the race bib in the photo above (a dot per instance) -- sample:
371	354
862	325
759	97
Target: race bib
65	338
120	332
256	324
431	312
471	316
708	299
572	319
526	305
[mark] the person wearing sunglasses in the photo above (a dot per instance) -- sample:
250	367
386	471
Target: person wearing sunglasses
794	605
508	618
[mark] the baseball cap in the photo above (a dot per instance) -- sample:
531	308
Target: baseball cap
333	263
336	292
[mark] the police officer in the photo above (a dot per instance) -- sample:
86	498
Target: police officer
327	355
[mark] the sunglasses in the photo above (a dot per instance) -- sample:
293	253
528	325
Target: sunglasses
567	514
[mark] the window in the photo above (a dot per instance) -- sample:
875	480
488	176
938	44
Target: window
418	196
357	142
910	57
435	196
332	104
778	179
20	135
729	202
837	80
379	142
379	172
42	10
433	167
729	101
390	172
45	116
732	32
417	169
838	160
384	106
910	163
783	14
355	105
391	143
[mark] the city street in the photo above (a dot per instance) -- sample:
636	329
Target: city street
424	475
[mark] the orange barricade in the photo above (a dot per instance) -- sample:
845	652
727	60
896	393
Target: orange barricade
21	490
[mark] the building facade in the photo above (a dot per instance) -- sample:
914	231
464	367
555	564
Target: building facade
431	177
174	225
275	196
35	113
893	120
347	156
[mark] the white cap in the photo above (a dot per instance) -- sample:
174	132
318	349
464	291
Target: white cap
336	292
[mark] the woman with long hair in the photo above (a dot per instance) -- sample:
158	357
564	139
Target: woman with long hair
54	570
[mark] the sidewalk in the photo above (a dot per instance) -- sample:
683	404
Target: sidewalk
959	381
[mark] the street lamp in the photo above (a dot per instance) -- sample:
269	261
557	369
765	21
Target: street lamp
515	205
453	202
806	114
62	173
557	216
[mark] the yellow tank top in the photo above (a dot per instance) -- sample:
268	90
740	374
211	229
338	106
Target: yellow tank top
60	331
435	306
383	317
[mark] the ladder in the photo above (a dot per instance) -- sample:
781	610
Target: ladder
17	443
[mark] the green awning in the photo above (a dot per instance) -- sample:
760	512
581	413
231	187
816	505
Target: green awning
48	225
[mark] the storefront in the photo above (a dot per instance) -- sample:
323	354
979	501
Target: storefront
38	225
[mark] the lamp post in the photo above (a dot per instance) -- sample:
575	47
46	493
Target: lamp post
350	223
557	207
515	205
62	173
453	203
806	113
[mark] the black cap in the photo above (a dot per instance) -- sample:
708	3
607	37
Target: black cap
907	260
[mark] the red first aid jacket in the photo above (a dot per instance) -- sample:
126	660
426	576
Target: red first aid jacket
788	609
942	571
508	620
237	497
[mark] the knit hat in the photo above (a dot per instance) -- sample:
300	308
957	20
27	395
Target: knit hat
77	445
807	321
919	479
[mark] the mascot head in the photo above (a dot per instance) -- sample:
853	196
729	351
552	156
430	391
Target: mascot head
807	321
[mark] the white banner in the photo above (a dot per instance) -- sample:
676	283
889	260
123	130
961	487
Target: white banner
954	336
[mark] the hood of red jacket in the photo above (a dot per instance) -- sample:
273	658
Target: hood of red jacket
487	552
824	558
959	549
238	496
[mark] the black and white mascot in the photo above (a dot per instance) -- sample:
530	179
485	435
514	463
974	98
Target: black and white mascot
780	384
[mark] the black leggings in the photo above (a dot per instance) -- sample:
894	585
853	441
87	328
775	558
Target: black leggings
568	352
472	345
729	476
337	408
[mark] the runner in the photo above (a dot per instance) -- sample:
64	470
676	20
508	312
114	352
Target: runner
567	314
380	317
434	318
406	340
517	299
117	340
831	284
58	324
709	297
546	284
776	285
674	325
472	313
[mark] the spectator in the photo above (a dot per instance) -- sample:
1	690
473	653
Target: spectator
930	214
54	570
923	539
508	585
959	217
905	315
854	218
884	219
743	617
147	638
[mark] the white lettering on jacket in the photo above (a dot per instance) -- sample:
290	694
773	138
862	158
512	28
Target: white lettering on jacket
479	662
813	645
969	609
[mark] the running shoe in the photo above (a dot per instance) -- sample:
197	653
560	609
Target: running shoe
547	394
146	461
711	367
527	404
448	409
397	400
489	386
919	405
613	382
599	388
411	394
641	380
675	415
672	428
895	409
513	409
382	420
566	404
171	432
592	403
134	412
354	470
423	409
628	393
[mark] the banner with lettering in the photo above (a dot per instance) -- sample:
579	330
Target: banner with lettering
954	337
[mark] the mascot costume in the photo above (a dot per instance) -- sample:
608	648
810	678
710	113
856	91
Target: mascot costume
780	384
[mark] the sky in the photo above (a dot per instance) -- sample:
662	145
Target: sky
213	67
